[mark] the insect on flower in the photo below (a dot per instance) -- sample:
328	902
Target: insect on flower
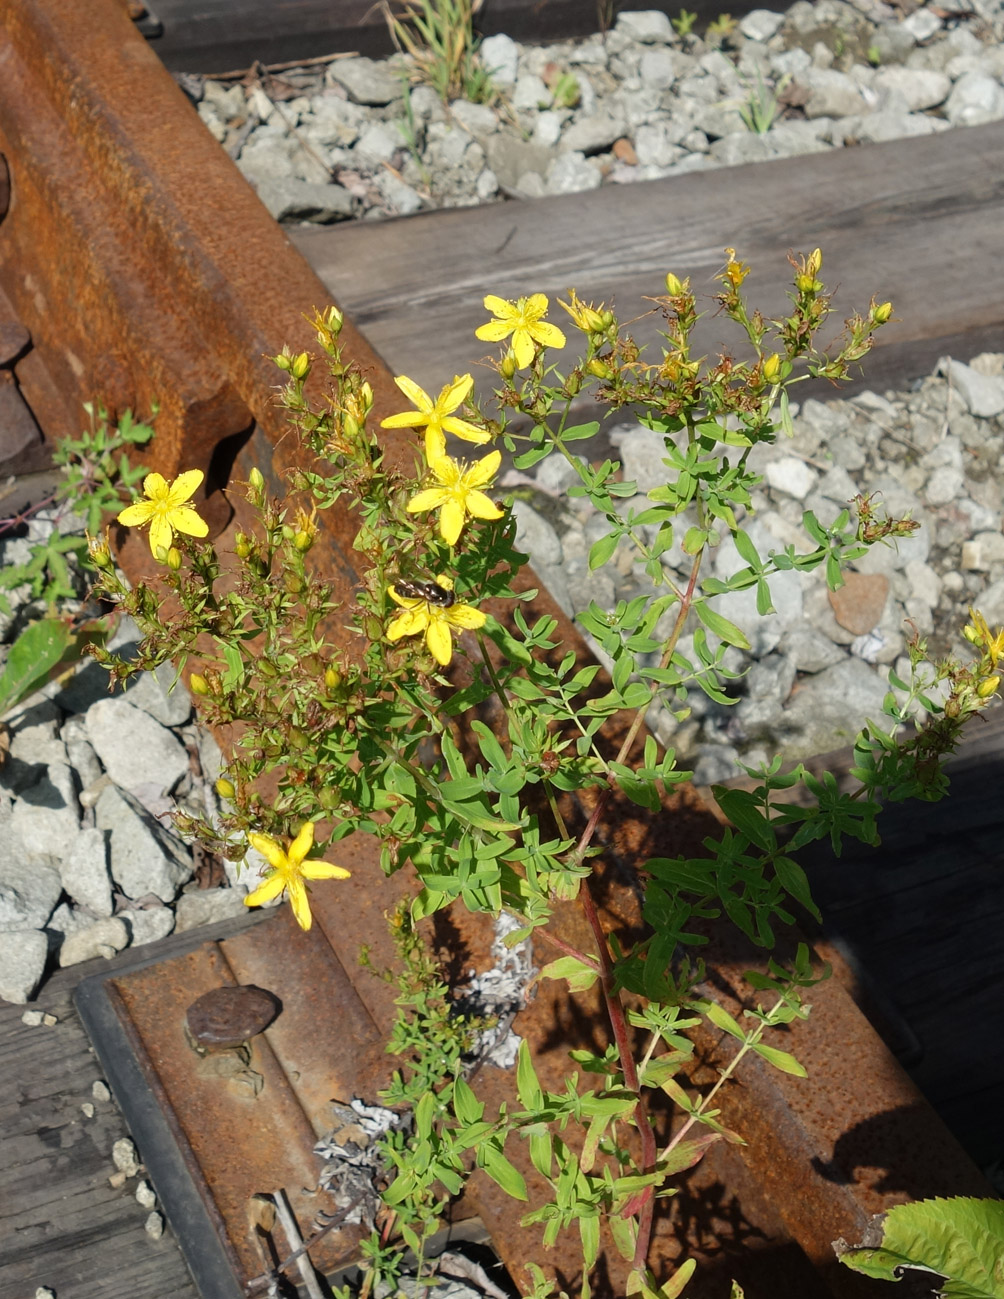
430	592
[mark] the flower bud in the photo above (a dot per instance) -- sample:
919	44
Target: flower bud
600	369
882	312
282	361
988	687
366	396
507	366
256	482
98	551
300	367
242	545
971	634
293	583
303	541
674	285
225	788
174	558
332	678
772	368
198	684
814	262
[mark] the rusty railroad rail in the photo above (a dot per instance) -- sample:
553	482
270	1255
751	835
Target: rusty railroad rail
136	265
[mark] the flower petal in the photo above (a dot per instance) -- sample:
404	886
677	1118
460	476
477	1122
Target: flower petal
499	306
323	870
269	849
414	393
138	513
161	534
456	393
298	901
155	486
301	845
270	887
523	348
451	521
494	331
439	641
547	335
435	443
484	469
406	419
465	616
430	499
536	305
184	519
481	507
184	486
409	623
462	429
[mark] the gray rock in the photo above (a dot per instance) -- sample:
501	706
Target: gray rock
83	759
657	68
760	24
831	94
975	98
84	872
134	749
366	81
920	25
944	485
477	119
104	938
149	925
741	148
500	55
46	816
162	694
23	954
594	133
920	88
879	127
555	475
267	161
647	26
764	634
791	477
982	393
398	196
334	122
808	650
306	200
378	143
510	158
35	734
571	173
205	906
715	763
983	551
655	146
828	709
530	93
30	887
716	120
535	535
642	454
924	583
837	485
144	857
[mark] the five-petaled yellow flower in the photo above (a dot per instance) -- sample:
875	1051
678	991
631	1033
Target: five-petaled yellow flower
458	494
438	622
165	510
979	633
524	319
437	416
289	870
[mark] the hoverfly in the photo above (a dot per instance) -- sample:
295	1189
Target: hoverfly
430	592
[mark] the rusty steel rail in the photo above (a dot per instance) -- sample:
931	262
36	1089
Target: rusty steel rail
144	270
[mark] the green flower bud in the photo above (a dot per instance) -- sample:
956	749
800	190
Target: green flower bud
507	366
300	367
174	558
332	678
282	361
242	545
198	684
674	285
225	788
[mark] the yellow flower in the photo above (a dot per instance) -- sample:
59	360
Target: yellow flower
289	870
458	494
437	416
978	633
437	620
524	319
735	272
586	317
165	510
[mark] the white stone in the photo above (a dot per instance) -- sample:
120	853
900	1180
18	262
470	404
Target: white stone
658	68
144	857
35	735
594	133
760	24
400	196
944	485
647	26
919	88
206	906
366	81
500	55
23	955
791	477
923	582
125	1157
162	694
79	751
46	816
477	119
572	173
982	393
148	925
535	535
983	551
530	93
145	1195
84	872
921	25
135	749
975	98
30	886
104	938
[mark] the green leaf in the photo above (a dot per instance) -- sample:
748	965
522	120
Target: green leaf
746	815
601	550
501	1171
235	665
780	1060
579	432
794	881
530	1094
693	540
787	425
961	1239
747	550
42	649
589	1231
580	976
719	626
723	1020
466	1105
